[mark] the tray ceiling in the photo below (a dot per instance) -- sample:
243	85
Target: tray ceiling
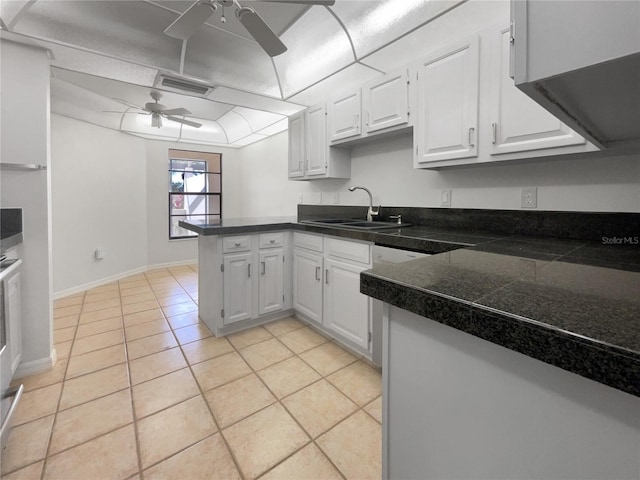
106	50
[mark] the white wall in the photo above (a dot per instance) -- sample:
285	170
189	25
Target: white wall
110	190
24	138
602	184
99	199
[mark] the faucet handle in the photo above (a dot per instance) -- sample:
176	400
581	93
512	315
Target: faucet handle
396	217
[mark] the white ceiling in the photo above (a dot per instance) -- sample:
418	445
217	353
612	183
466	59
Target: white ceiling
107	50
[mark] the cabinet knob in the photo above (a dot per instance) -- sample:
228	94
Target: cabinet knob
238	244
272	241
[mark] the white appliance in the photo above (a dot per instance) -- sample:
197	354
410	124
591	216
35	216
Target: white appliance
382	256
9	397
580	60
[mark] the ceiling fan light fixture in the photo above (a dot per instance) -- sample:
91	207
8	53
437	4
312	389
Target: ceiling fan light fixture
156	120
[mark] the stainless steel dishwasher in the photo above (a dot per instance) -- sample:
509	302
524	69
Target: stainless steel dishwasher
381	256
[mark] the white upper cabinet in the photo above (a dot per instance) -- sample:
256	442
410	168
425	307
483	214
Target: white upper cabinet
385	101
316	140
447	123
296	145
344	114
310	156
517	123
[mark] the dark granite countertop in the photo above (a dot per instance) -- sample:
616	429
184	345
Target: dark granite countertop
571	303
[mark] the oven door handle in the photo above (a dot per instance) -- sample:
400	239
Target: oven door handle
16	393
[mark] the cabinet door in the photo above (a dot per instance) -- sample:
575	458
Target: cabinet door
296	145
271	281
344	116
316	140
307	284
447	123
346	310
519	124
385	101
13	312
237	288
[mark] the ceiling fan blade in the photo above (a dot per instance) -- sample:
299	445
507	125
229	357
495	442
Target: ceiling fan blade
191	20
260	31
328	3
128	104
176	111
182	120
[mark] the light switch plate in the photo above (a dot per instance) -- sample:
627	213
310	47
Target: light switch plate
445	198
529	197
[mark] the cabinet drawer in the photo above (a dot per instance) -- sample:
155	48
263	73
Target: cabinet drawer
268	240
353	251
236	244
310	242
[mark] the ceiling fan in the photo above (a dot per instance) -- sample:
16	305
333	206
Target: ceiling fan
158	111
198	13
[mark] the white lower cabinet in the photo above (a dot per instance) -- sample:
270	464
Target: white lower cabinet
307	284
238	288
271	284
346	310
326	287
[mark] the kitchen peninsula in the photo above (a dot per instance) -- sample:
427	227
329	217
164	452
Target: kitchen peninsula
513	352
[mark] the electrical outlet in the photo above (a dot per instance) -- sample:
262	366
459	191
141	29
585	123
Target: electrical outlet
529	197
336	198
300	198
445	198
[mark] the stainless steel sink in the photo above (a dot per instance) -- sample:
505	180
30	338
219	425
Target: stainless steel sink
355	224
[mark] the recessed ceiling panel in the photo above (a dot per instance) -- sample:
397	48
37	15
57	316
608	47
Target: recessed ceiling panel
98	65
255	137
123	29
348	79
139	95
278	127
209	132
457	23
216	56
373	24
235	126
245	99
75	102
257	119
9	9
318	47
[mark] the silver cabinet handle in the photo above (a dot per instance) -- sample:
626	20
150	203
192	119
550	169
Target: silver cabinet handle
318	273
356	119
471	130
326	276
494	132
249	270
272	241
367	119
264	267
238	244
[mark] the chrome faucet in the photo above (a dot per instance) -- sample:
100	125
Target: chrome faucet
371	212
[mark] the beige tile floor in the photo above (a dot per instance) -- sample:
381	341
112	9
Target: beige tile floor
142	390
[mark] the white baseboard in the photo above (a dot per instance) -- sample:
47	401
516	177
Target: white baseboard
37	366
103	281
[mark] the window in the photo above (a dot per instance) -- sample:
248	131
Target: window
195	189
